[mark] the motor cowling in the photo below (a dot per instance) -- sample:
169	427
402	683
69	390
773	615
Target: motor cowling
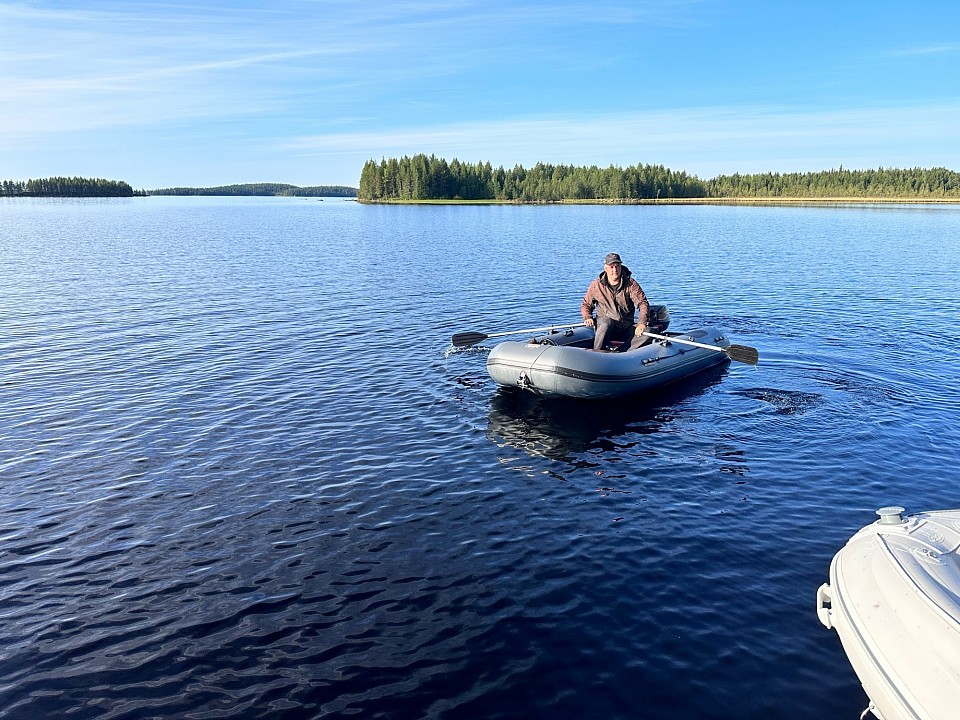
658	318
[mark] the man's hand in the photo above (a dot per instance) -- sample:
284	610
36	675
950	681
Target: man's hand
589	322
641	329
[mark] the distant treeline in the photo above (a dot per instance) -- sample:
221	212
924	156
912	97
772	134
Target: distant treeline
880	183
67	187
431	178
263	189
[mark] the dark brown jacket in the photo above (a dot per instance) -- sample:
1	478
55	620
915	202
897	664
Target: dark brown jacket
616	303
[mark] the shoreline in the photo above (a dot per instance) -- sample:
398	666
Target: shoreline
687	201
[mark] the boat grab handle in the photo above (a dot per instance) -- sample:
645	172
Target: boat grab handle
824	601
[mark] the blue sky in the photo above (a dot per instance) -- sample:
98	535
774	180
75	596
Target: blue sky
209	92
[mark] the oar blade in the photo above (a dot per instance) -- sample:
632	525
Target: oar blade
743	353
466	339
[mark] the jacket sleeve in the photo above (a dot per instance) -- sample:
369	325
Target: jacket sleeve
640	300
586	307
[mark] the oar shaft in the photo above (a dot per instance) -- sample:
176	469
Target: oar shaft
740	353
685	342
466	339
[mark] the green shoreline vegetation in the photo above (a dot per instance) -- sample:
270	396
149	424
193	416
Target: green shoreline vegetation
421	179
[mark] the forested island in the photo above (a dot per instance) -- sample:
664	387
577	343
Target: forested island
67	187
422	178
263	189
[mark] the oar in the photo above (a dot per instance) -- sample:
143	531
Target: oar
740	353
466	339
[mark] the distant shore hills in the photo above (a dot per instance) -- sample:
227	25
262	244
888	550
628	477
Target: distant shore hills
77	187
263	190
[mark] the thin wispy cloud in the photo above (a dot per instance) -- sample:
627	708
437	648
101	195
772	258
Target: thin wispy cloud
118	81
112	69
944	49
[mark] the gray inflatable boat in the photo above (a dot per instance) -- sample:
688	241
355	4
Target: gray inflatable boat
563	363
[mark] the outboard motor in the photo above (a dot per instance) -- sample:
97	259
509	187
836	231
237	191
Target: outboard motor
658	319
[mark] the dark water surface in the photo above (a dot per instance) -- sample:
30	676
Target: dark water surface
240	476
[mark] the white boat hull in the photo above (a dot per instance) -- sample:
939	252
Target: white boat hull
894	600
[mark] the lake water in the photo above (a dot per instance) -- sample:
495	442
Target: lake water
241	476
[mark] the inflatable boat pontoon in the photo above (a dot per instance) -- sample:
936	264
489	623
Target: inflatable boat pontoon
563	363
894	600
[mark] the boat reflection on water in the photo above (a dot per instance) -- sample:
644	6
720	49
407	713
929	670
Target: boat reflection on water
563	428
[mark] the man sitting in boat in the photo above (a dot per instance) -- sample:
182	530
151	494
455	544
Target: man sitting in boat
615	295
